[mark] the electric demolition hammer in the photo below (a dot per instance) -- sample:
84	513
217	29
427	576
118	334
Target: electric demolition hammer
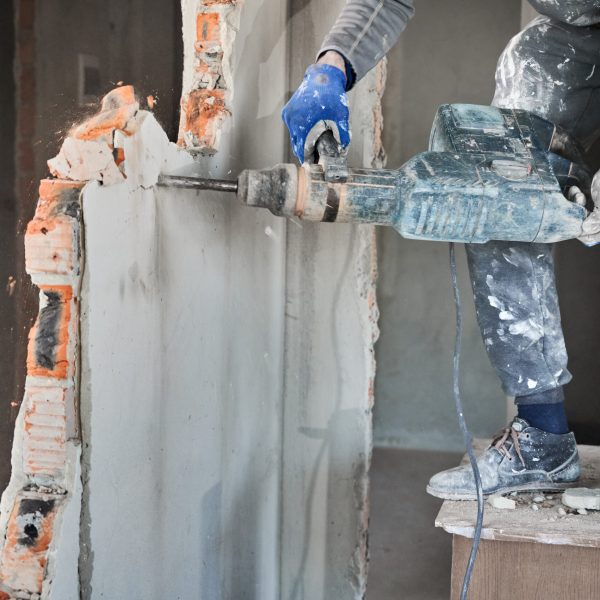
489	174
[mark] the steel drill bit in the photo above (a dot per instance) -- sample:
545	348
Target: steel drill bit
198	183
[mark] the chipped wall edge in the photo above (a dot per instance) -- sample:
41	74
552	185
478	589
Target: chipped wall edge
40	509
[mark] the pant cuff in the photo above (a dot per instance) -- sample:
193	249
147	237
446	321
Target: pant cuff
552	396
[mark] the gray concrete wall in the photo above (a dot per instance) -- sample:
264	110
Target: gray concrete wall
228	367
447	54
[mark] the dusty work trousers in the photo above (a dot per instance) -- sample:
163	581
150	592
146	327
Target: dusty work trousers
549	69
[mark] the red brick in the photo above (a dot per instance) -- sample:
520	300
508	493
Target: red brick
205	111
61	368
23	563
53	190
208	27
45	436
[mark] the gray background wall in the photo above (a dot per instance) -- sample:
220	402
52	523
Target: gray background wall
137	42
448	53
7	235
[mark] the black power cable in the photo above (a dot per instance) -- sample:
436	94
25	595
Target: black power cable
463	427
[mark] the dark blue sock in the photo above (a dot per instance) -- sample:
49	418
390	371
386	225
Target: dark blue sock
550	417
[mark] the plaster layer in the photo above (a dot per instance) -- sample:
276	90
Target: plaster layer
182	325
331	328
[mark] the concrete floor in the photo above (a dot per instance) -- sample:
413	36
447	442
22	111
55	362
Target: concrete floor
410	559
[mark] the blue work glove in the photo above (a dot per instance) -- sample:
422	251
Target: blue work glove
319	104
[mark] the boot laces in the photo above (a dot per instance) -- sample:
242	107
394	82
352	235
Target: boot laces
500	442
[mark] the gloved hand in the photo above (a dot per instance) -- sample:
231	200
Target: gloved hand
591	226
319	104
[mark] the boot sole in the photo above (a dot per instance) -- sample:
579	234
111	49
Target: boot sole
534	487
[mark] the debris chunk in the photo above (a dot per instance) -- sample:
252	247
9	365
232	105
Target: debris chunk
582	511
585	498
538	499
81	160
499	501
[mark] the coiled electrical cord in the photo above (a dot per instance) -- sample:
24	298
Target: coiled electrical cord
468	440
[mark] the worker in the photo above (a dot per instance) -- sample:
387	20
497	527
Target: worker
549	68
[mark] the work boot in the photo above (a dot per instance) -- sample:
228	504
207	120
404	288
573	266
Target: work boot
520	458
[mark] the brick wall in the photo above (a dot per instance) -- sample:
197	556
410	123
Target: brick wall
208	85
39	488
46	437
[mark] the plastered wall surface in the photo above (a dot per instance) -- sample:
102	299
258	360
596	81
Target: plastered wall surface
447	54
198	284
183	459
228	366
331	316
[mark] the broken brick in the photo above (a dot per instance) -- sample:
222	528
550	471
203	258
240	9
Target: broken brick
205	103
28	536
102	125
119	97
51	247
208	29
205	111
118	107
57	191
47	351
44	442
86	160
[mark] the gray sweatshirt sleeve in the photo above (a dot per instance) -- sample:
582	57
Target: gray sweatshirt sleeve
365	31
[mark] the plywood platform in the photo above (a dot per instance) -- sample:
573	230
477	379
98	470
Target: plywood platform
544	526
533	553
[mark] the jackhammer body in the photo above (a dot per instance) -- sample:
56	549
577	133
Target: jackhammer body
489	174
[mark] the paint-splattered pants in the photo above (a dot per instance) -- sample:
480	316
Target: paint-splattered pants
549	69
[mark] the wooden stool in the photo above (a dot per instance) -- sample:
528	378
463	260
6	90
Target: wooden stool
526	553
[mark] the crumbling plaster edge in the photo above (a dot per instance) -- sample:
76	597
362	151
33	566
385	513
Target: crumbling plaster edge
366	273
143	172
208	72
